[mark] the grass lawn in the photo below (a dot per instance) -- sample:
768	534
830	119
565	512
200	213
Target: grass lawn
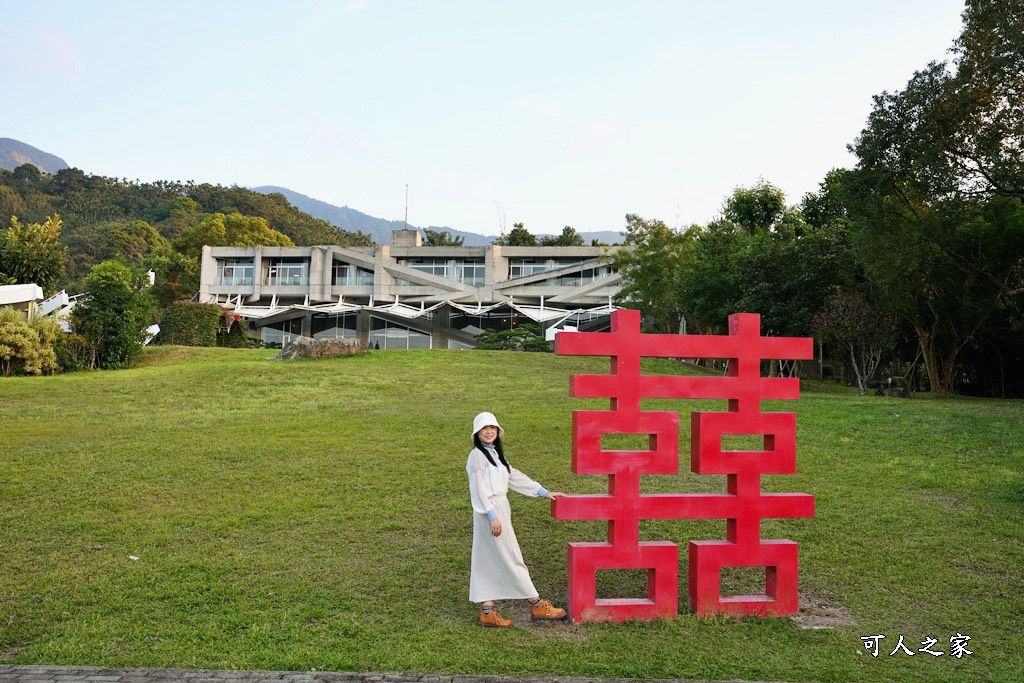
315	514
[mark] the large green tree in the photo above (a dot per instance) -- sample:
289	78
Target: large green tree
519	236
756	209
936	194
229	230
113	314
31	253
568	238
651	270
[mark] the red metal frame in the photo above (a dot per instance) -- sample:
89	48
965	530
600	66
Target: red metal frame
743	506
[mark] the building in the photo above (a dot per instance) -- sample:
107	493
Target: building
23	298
406	295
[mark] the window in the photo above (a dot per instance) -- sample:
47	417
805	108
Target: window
525	267
288	271
349	274
583	277
334	325
280	333
234	272
469	271
389	335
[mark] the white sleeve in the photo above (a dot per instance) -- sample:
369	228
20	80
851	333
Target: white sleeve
520	483
479	485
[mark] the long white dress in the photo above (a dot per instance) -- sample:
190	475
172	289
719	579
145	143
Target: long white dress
497	571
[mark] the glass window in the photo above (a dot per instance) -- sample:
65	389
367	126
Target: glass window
288	271
469	271
350	274
333	326
234	272
282	332
388	335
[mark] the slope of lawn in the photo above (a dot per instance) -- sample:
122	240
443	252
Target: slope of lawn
315	514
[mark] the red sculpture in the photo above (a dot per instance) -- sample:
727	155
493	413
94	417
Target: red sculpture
743	506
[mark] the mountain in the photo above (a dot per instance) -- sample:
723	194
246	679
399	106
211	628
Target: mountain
14	153
350	219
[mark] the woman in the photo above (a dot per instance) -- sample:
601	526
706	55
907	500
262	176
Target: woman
498	571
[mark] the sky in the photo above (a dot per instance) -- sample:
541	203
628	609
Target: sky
551	113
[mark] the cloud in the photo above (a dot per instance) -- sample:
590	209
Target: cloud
355	6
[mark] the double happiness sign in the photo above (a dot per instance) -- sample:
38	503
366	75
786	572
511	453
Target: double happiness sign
743	506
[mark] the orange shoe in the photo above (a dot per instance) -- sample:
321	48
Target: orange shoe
494	620
545	611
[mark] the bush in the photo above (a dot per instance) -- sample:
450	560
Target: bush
526	337
190	324
232	332
26	348
73	352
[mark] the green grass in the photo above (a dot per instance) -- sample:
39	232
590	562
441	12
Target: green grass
315	514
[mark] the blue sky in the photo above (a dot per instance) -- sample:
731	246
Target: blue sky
552	113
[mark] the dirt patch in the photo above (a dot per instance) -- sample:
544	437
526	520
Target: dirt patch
9	652
817	612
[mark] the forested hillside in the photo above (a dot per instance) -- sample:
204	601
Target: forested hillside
156	223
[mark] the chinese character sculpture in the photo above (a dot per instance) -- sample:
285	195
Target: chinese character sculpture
744	506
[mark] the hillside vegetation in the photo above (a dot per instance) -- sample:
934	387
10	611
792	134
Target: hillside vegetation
315	514
112	217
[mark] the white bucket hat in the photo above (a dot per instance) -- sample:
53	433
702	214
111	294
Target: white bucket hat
484	419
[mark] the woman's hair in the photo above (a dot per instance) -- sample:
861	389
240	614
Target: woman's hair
497	447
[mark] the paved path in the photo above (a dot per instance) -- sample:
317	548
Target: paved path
92	674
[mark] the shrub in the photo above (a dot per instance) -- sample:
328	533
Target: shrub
27	348
232	332
526	337
190	324
73	352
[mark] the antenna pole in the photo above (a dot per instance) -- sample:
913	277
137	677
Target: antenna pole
406	225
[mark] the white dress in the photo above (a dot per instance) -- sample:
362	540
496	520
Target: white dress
497	571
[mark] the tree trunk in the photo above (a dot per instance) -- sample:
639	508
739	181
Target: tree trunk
931	361
856	371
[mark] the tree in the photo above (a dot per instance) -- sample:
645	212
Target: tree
113	314
651	269
32	252
755	209
711	283
177	275
519	236
936	194
134	239
442	238
827	206
568	238
853	324
229	230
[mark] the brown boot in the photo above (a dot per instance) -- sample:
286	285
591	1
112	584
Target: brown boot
494	620
545	611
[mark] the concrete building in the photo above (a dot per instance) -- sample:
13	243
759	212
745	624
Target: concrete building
406	295
23	298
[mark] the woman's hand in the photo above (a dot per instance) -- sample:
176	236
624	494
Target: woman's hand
554	494
496	528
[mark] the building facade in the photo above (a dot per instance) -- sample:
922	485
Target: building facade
406	295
